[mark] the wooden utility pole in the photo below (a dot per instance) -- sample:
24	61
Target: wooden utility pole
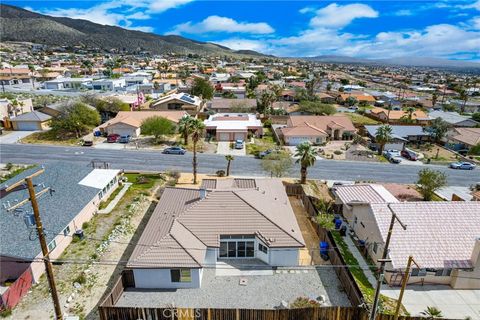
404	284
383	261
41	237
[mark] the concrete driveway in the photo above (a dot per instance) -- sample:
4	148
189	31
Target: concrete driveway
14	136
223	147
110	146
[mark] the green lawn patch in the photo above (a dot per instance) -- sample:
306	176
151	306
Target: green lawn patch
262	144
112	196
358	119
142	181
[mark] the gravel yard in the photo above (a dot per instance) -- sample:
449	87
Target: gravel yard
260	292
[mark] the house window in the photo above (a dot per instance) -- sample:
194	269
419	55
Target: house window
443	272
355	220
52	245
237	249
375	247
262	248
181	275
66	231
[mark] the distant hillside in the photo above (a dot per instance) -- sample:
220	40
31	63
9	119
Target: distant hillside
401	61
17	24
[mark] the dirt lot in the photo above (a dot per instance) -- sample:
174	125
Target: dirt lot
92	265
430	152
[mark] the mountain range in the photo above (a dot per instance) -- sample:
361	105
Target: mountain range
17	24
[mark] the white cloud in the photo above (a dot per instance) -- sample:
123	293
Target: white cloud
474	5
338	16
222	24
143	29
404	13
307	10
245	44
164	5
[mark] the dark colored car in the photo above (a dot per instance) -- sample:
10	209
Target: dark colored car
124	139
409	155
87	143
174	150
265	153
112	138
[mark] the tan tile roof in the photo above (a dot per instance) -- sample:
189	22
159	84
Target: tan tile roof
183	225
358	96
135	118
469	136
323	123
439	234
398	114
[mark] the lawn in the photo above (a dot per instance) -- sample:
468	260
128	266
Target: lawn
142	181
359	119
105	203
50	137
262	144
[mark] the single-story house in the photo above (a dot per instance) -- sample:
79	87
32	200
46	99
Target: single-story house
11	76
316	129
233	126
247	220
10	109
360	97
397	116
67	83
109	84
453	118
222	105
31	121
401	135
129	122
326	98
462	138
75	194
442	236
179	101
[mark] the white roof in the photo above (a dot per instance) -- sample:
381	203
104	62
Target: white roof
364	193
221	121
99	178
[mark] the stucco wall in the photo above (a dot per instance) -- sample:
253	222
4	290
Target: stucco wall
161	279
285	257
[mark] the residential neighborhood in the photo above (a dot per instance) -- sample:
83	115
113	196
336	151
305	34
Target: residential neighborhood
150	175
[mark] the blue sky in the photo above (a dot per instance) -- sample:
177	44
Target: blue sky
366	29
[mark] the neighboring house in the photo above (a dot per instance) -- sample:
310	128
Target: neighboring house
462	138
360	97
223	105
9	109
399	116
129	122
76	192
453	119
445	255
11	76
233	126
217	77
401	135
247	220
316	129
68	83
109	84
237	90
31	121
179	101
326	98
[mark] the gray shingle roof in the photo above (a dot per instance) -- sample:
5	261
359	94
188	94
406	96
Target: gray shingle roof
32	116
450	117
56	211
400	131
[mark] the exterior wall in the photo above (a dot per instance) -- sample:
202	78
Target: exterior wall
211	256
293	141
10	269
123	129
469	279
285	257
221	136
161	279
18	125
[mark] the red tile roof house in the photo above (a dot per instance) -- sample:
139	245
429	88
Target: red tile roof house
442	237
248	220
316	129
233	126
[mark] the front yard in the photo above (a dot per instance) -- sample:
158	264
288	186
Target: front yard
51	137
262	144
434	153
87	267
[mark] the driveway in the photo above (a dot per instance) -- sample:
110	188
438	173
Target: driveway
14	136
110	146
223	147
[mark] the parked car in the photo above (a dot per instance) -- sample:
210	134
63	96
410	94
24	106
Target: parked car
124	139
112	138
391	153
87	143
462	165
265	153
395	159
412	156
174	150
239	144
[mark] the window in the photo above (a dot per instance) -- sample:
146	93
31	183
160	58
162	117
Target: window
375	247
443	272
52	245
241	249
232	249
223	249
250	249
181	275
66	231
237	249
262	248
419	272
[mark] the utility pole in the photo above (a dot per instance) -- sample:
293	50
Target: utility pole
41	236
404	284
383	261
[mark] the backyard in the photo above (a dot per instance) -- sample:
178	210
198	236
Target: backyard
88	266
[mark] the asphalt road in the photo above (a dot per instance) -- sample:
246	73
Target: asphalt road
210	163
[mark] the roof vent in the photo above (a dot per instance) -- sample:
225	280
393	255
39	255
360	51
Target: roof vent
203	193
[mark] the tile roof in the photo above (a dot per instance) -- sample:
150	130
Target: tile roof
321	122
57	210
398	114
450	117
468	136
399	131
232	207
32	116
135	118
439	234
223	103
365	193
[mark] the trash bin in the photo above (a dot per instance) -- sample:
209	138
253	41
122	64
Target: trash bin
338	223
343	231
79	234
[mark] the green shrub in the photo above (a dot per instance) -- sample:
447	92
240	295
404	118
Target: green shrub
85	225
337	152
81	279
5	313
220	173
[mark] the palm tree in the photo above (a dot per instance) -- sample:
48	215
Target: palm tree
306	159
410	111
197	128
383	136
464	98
432	313
434	99
184	127
389	108
229	159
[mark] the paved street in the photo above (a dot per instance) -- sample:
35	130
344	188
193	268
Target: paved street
210	163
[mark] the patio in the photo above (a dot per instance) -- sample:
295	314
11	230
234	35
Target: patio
245	291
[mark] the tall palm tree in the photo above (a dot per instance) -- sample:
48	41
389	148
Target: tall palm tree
383	136
306	159
432	313
229	159
410	111
197	128
184	127
389	108
464	97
